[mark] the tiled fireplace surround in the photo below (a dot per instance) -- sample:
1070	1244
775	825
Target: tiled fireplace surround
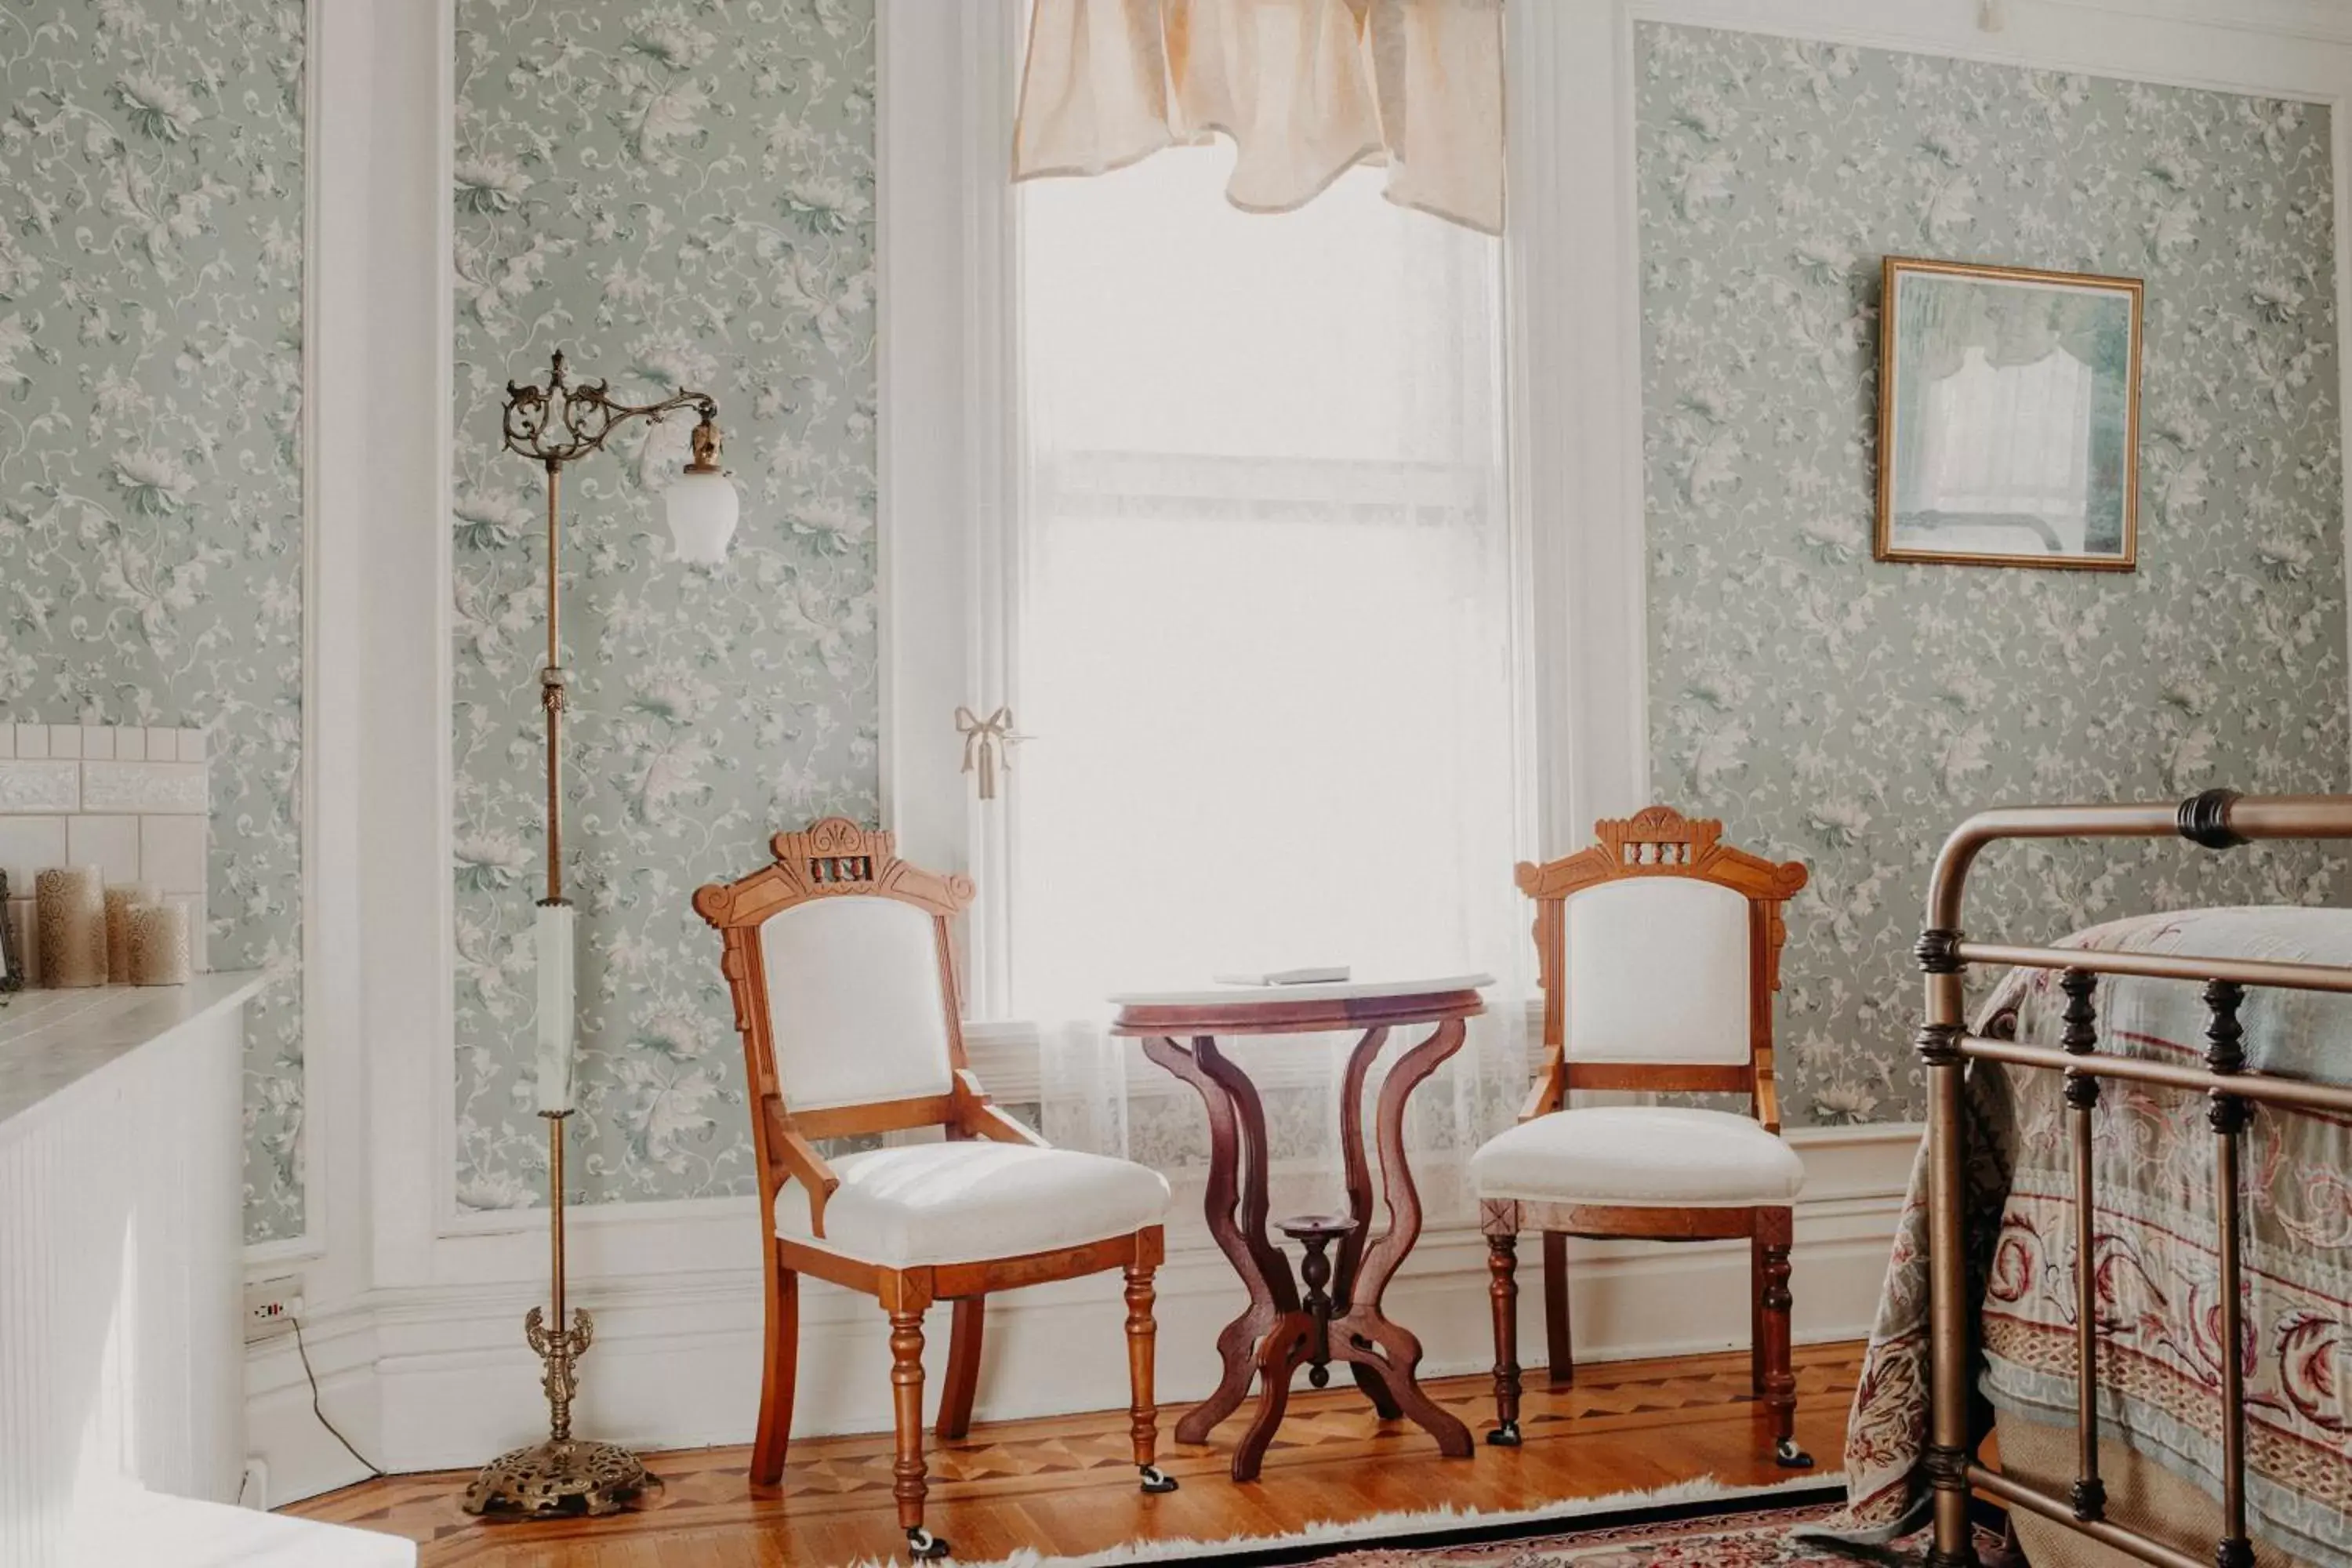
133	802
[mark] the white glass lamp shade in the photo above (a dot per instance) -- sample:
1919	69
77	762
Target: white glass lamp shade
702	510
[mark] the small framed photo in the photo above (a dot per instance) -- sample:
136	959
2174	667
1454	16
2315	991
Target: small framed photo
2007	416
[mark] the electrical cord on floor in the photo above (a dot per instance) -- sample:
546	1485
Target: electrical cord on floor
375	1472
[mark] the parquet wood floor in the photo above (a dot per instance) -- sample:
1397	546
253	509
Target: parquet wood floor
1064	1484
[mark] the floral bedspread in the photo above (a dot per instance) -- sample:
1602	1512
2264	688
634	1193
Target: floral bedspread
2159	1349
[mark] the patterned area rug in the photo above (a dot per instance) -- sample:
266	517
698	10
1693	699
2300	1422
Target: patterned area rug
1741	1539
1690	1526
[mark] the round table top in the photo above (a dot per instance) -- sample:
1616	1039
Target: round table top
1298	1009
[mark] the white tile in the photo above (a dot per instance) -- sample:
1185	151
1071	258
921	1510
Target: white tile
108	843
97	743
30	844
20	925
129	743
172	853
7	743
40	789
192	745
64	741
143	789
197	959
162	745
32	740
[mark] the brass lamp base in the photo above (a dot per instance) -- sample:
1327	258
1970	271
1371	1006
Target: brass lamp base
558	1477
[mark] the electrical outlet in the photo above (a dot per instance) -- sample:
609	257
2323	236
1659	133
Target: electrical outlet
269	1303
253	1491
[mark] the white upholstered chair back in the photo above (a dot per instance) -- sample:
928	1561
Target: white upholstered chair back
836	957
856	1007
1660	950
1658	970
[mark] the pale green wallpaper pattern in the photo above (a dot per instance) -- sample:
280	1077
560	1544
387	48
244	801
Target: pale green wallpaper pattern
151	497
1849	713
676	194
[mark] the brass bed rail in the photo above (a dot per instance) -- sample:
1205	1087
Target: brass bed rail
2217	819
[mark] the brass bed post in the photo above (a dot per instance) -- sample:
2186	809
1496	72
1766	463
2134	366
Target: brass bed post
1948	1433
1938	1042
2080	1038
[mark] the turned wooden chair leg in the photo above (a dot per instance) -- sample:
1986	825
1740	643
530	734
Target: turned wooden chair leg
963	1369
1503	1292
778	1376
1142	1411
1756	1329
907	1472
1775	1231
1560	1350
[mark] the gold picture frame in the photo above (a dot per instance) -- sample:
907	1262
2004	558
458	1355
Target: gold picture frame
2020	446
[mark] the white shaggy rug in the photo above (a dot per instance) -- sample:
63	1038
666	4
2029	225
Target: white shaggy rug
1390	1527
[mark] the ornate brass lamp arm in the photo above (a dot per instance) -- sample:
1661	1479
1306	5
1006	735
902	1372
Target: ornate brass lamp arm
559	423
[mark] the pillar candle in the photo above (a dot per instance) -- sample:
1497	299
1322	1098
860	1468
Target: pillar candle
13	942
556	1007
121	899
69	915
159	944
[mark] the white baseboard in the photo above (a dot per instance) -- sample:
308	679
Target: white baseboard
439	1378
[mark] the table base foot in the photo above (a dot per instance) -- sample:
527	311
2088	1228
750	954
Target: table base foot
1383	1358
1236	1349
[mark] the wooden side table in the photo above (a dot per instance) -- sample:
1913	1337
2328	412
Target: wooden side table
1275	1334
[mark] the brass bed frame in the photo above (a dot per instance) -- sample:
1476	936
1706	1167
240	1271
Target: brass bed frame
2217	819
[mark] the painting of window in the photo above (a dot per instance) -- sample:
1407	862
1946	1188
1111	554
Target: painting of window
2009	416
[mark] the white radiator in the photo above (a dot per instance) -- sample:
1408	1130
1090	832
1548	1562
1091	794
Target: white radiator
121	1355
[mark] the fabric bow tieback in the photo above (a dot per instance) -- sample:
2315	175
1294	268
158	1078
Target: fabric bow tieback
986	742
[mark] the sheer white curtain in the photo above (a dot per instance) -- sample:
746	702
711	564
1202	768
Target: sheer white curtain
1266	642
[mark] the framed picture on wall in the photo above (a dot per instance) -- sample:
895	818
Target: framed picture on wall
2007	416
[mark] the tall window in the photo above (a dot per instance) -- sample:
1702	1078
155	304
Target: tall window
1264	641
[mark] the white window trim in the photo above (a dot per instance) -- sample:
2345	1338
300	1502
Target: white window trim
948	289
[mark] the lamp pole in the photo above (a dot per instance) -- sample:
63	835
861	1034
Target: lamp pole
554	424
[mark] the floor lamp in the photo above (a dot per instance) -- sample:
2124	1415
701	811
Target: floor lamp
554	424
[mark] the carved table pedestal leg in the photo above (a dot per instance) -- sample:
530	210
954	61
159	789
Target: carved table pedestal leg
1237	1204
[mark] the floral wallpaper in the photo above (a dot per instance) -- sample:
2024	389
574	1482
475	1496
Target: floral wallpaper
151	497
677	194
1849	713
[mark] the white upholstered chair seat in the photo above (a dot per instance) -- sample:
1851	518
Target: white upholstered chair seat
1639	1156
966	1202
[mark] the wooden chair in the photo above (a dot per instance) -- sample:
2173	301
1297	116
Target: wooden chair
838	958
1659	951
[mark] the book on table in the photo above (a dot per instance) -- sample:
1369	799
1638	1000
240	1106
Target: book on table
1314	974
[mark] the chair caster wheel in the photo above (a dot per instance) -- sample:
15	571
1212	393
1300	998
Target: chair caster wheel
925	1547
1789	1456
1156	1481
1507	1436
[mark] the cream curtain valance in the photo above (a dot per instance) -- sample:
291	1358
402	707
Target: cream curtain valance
1306	89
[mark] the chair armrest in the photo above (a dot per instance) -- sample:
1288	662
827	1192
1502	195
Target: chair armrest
977	1115
1551	1089
801	1161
